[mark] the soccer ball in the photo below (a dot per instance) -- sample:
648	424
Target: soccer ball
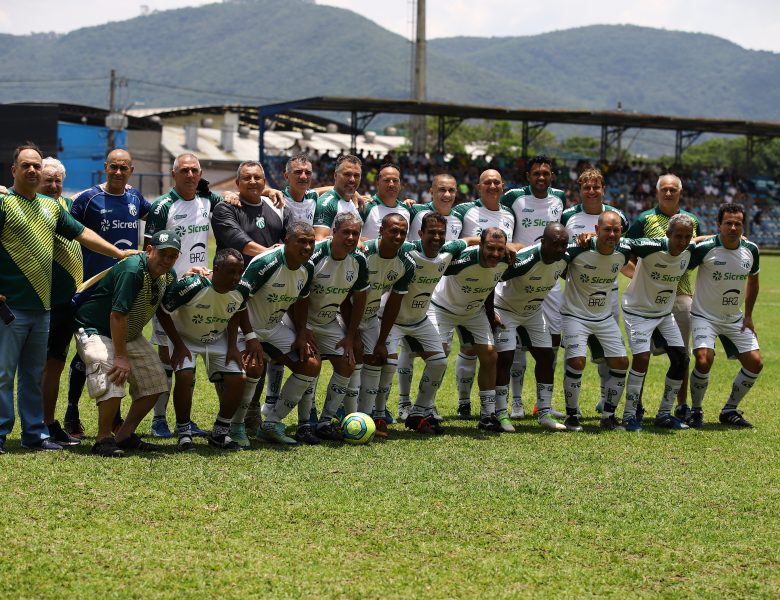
358	428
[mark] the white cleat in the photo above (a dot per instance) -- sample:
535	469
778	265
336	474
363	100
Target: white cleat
518	410
548	422
403	412
506	424
436	416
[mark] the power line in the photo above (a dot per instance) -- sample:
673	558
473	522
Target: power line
48	81
168	86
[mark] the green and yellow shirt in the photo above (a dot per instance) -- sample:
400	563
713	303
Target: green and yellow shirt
68	267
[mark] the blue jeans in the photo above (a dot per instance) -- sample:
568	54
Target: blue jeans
23	351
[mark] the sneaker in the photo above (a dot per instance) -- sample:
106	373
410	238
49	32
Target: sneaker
669	422
696	420
682	412
135	443
185	444
490	423
518	410
304	435
572	423
389	418
381	427
632	424
274	433
435	415
62	437
107	448
735	418
239	436
74	427
600	406
551	424
326	431
222	442
403	411
611	423
640	411
197	431
419	424
555	413
464	410
47	445
506	424
160	428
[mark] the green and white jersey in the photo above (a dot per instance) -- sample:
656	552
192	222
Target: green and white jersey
190	220
198	311
129	289
466	284
385	274
653	288
577	221
303	210
418	211
68	266
427	274
532	214
376	210
27	229
526	283
329	205
269	287
723	274
653	224
333	280
590	280
475	217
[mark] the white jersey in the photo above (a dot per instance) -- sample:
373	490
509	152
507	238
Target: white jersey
269	287
590	280
577	221
527	282
475	217
418	211
373	213
427	273
303	210
723	274
385	274
532	214
200	313
329	205
466	284
333	280
653	288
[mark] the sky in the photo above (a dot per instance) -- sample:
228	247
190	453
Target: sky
752	24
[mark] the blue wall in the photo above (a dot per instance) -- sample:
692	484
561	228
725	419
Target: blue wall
82	149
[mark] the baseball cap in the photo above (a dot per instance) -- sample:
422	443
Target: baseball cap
166	238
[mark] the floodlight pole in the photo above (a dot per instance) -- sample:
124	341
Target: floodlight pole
419	133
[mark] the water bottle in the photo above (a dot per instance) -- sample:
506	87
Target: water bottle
81	336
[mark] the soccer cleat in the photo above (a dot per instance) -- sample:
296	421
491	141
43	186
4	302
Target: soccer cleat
238	435
74	427
222	442
62	437
47	445
506	424
490	423
668	421
419	424
572	423
600	406
696	420
390	418
611	423
735	418
135	443
518	410
682	412
632	424
160	428
274	433
341	413
197	431
327	431
464	410
548	422
304	435
555	413
435	415
107	448
403	411
185	444
381	427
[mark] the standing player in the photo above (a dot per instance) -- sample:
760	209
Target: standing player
586	311
647	314
384	202
298	196
341	198
727	278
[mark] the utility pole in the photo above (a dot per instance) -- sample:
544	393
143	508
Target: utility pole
112	108
419	133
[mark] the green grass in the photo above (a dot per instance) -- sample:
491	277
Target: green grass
692	513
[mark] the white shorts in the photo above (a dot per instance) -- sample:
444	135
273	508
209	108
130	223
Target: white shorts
278	341
645	333
525	333
369	333
472	329
159	337
604	337
734	340
551	308
682	315
213	355
421	337
328	336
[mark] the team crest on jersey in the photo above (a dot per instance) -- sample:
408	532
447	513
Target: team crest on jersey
299	284
506	225
350	275
745	264
231	308
440	267
132	210
683	264
205	214
454	228
310	216
556	275
260	222
615	267
497	277
555	210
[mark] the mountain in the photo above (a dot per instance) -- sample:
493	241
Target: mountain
261	51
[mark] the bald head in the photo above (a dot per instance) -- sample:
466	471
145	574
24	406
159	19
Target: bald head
119	154
490	188
609	217
118	168
555	239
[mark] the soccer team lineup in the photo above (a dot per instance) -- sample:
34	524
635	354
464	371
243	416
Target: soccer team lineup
375	285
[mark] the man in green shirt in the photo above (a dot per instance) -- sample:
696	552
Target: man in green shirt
112	344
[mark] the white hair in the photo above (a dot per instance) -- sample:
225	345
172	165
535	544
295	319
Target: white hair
658	183
185	155
52	163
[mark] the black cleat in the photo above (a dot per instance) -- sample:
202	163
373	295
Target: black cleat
464	410
304	435
490	423
135	443
696	420
735	418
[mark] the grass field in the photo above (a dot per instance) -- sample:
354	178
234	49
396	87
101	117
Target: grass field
685	514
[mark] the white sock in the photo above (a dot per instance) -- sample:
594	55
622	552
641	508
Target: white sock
337	389
386	382
246	398
487	403
369	400
572	385
544	392
273	382
615	385
465	369
405	375
304	406
603	369
430	382
742	384
353	390
161	406
292	392
698	384
633	391
502	396
517	374
671	388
